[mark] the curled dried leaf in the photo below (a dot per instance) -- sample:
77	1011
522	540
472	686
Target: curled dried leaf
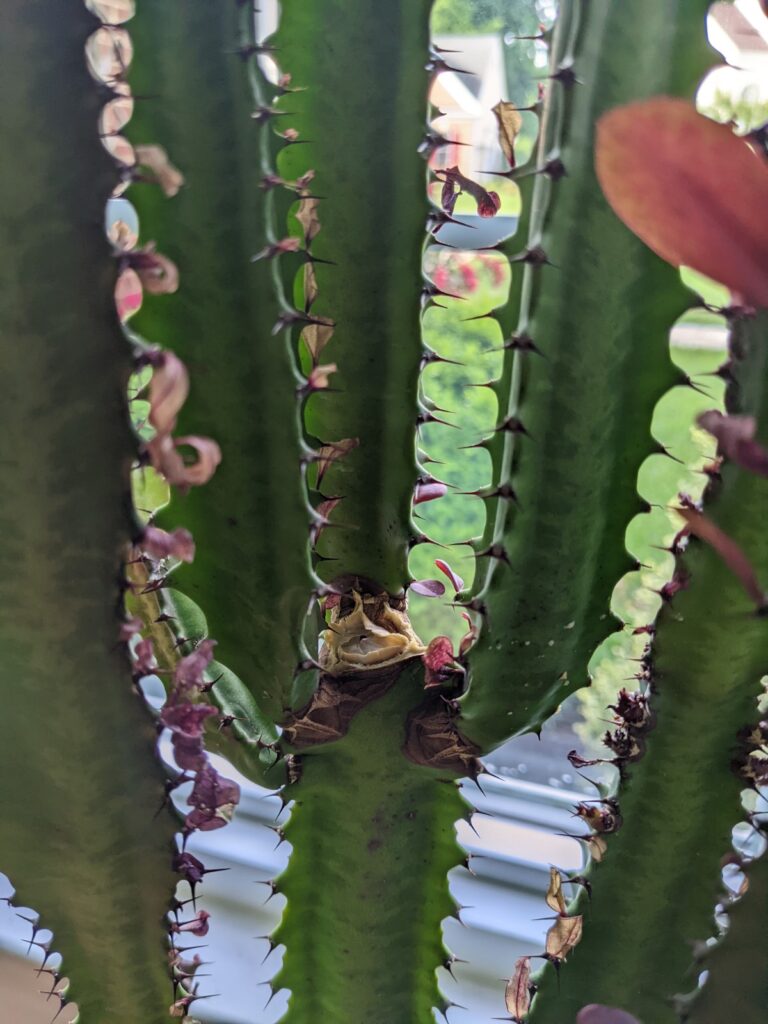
563	936
662	166
165	458
519	989
510	121
158	274
727	548
555	898
454	183
736	439
168	390
155	159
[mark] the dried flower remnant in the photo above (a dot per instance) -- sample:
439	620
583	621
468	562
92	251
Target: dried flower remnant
454	183
371	634
439	662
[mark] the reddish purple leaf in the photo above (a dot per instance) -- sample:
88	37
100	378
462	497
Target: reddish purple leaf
198	925
428	588
187	720
456	581
735	438
189	671
130	628
728	550
662	167
144	658
159	543
213	799
429	491
594	1014
437	659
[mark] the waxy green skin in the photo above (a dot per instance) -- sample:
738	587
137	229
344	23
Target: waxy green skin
364	942
737	985
84	840
362	111
654	895
373	834
600	315
251	574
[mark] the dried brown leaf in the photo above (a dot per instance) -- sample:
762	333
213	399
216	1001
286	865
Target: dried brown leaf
597	847
727	549
329	453
308	217
316	337
563	936
662	166
168	390
517	994
310	286
555	899
510	121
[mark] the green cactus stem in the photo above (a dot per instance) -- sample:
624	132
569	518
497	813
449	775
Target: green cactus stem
737	985
363	941
655	893
251	575
358	67
80	789
574	416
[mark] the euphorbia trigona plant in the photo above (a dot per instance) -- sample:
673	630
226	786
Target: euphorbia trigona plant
282	226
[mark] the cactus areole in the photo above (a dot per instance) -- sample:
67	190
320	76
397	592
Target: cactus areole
215	450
